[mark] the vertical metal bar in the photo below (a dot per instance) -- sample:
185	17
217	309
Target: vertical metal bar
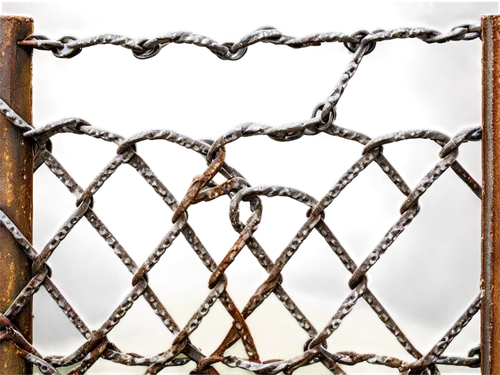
16	180
490	279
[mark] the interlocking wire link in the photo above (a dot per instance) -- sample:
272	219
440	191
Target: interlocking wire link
69	46
203	188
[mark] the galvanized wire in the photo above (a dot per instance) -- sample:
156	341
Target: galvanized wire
142	48
203	188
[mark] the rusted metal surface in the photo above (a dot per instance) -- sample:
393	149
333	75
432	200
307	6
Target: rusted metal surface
16	182
204	188
490	281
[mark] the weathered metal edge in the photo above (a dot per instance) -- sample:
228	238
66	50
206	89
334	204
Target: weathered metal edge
16	181
490	327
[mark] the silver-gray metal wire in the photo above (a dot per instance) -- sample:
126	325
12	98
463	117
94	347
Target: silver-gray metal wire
203	188
142	48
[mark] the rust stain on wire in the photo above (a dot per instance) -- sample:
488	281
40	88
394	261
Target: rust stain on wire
203	188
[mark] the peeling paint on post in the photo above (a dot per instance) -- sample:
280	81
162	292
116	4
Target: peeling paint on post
16	180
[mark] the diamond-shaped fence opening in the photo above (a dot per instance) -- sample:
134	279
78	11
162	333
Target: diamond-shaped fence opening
187	277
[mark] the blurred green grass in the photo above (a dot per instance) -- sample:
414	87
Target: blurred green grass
275	331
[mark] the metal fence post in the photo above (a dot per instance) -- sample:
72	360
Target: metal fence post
16	180
490	280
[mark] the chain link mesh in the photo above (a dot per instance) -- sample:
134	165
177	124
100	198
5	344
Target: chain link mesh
203	188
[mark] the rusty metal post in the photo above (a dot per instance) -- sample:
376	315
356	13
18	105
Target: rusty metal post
490	279
16	181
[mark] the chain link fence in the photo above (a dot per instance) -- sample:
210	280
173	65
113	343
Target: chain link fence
204	188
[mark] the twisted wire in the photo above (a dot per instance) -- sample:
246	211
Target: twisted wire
238	189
